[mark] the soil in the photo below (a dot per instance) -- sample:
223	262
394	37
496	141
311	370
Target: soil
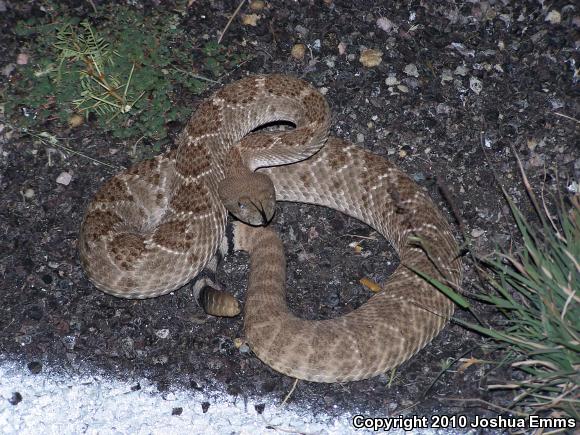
460	86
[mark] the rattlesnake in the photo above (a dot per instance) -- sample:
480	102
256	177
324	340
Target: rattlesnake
152	228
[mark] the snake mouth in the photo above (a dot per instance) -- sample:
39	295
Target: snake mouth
262	212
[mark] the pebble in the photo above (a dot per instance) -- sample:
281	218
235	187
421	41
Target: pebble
15	399
371	58
446	76
461	70
7	70
391	80
301	30
75	120
29	193
257	5
35	367
385	24
64	178
475	85
553	17
477	232
250	20
22	59
411	70
162	333
298	51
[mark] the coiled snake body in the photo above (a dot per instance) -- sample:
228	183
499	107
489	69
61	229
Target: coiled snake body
152	228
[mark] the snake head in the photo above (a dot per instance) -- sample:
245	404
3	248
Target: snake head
251	198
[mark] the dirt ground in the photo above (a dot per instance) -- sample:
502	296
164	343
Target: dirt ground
459	84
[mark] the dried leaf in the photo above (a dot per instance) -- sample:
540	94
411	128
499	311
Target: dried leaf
371	285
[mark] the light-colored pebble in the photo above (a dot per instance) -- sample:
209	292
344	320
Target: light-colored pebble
475	85
553	17
298	51
411	70
371	58
64	178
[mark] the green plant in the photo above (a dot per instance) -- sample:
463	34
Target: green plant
124	66
102	93
537	291
543	316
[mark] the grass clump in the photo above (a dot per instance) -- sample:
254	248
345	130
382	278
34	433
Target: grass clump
122	65
537	292
542	311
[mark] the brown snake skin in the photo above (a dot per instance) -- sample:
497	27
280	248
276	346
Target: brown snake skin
152	228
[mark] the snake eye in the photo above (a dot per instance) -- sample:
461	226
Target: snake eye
241	205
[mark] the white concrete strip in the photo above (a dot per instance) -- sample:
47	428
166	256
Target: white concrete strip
53	402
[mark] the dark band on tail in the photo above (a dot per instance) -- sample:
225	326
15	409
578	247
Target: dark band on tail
207	292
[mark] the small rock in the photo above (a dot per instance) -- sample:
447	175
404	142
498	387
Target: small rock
442	108
250	20
177	411
475	85
553	17
75	120
29	193
205	407
341	48
392	80
257	5
371	58
161	360
403	88
476	232
446	76
411	70
360	138
162	333
22	59
298	51
461	70
301	30
35	367
385	24
462	49
69	341
64	178
7	70
532	143
15	399
260	408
